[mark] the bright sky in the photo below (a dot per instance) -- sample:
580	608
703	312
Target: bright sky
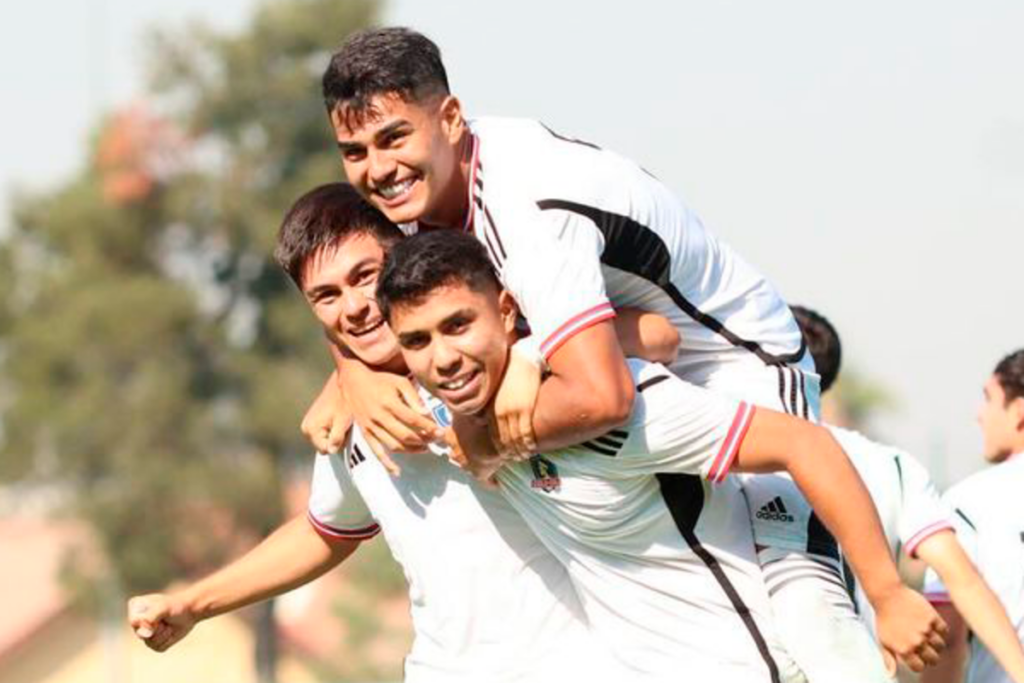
868	157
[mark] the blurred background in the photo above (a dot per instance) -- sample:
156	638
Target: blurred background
154	364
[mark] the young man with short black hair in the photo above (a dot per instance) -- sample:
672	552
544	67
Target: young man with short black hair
668	581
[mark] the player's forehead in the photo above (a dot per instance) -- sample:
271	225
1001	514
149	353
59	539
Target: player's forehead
440	305
336	262
359	119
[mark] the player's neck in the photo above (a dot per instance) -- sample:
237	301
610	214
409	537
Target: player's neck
456	203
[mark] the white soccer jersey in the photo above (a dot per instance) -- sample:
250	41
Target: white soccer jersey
907	501
657	539
989	519
489	602
574	229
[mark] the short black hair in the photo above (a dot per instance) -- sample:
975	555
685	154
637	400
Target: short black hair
1010	374
321	219
421	264
381	61
823	343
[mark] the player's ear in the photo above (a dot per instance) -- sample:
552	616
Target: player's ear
509	311
1017	410
452	122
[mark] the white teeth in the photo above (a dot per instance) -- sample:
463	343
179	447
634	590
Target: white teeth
457	384
392	191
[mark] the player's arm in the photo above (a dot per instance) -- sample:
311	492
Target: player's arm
386	407
646	335
589	391
973	603
907	625
641	334
290	557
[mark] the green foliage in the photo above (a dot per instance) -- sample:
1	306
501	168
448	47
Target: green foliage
153	359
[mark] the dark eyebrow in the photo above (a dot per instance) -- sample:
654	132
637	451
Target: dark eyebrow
390	128
312	292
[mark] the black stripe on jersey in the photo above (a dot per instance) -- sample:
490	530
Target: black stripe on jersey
651	381
819	540
636	249
965	518
684	497
603	450
619	433
899	473
494	229
572	140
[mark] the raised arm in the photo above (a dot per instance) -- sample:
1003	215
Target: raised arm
292	556
907	625
975	604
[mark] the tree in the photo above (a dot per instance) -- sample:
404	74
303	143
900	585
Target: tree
156	360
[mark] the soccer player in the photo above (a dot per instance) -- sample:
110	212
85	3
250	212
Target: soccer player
913	517
489	602
990	523
663	559
573	230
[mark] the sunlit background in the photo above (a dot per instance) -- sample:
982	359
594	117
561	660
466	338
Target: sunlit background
869	158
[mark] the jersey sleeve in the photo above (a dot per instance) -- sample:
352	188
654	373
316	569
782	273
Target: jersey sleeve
967	535
550	261
336	508
678	427
922	513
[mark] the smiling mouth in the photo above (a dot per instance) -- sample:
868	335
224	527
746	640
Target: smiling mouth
393	191
366	329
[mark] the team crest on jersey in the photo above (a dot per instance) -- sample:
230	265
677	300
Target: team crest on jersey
441	415
545	474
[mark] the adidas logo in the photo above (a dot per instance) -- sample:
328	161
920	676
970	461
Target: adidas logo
774	511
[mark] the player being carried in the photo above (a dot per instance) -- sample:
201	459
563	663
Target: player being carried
572	230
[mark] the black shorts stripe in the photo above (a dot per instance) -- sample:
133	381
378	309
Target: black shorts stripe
792	392
636	249
609	441
803	393
806	576
684	496
782	388
619	433
600	449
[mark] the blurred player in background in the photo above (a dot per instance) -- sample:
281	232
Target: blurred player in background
989	519
915	520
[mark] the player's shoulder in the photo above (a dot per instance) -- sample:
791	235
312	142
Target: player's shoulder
985	488
858	444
